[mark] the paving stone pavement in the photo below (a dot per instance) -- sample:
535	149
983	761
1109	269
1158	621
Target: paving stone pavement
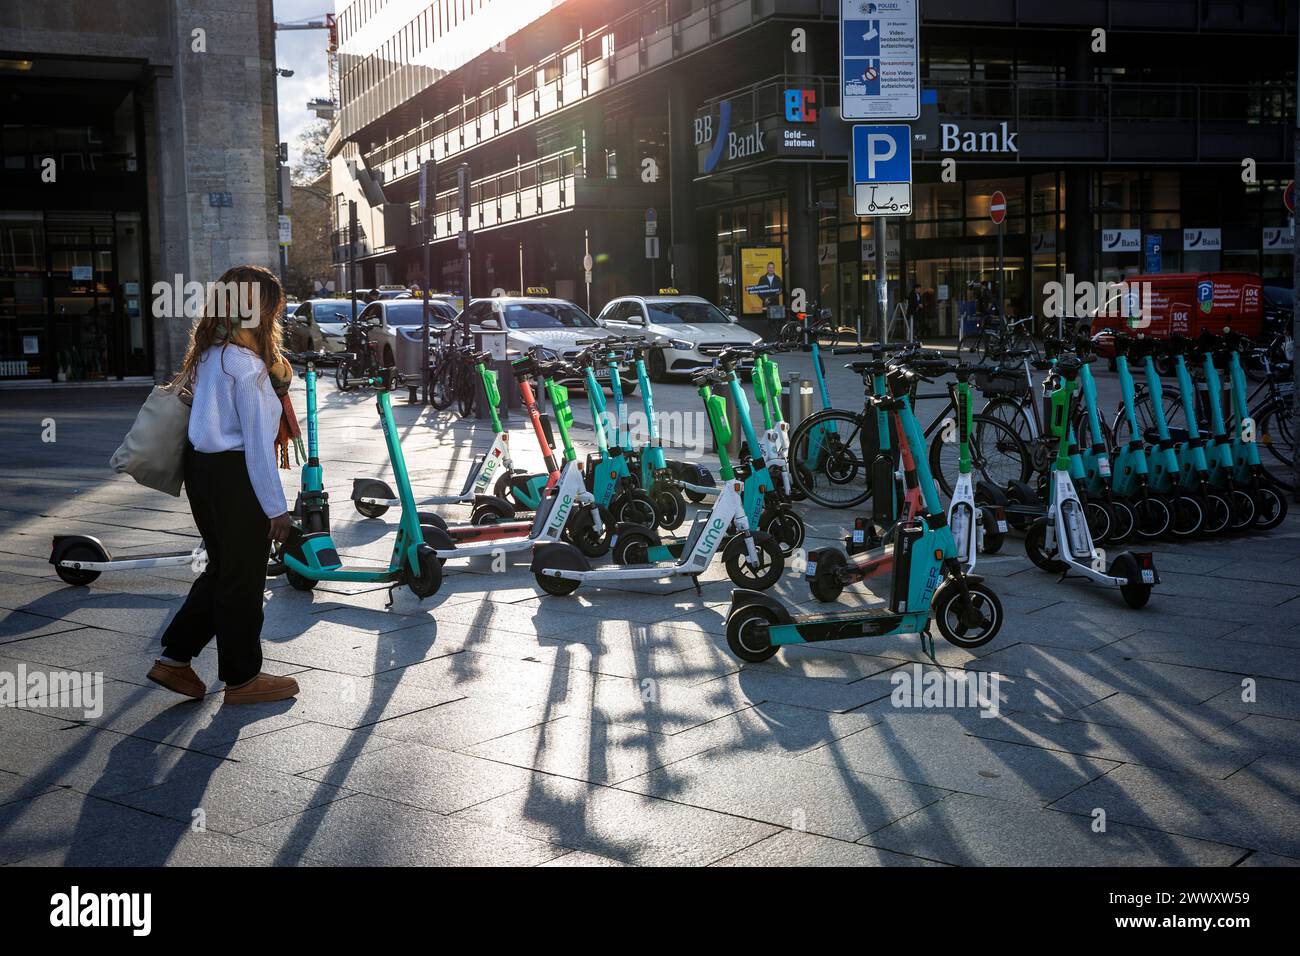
493	725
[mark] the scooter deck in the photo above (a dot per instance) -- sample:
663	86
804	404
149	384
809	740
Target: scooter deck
844	625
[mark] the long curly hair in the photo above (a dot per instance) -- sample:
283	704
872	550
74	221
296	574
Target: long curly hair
222	324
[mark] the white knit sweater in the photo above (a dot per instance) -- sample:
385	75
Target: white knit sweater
236	409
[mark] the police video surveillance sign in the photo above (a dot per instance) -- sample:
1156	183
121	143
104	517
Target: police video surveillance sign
880	70
882	170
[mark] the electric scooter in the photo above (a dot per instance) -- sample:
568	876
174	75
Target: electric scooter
1194	476
491	477
1270	502
1165	470
609	469
1218	449
310	555
752	557
814	458
1060	541
1130	471
927	583
1097	484
569	511
660	477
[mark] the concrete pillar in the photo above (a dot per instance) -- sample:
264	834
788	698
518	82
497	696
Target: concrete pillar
681	170
169	214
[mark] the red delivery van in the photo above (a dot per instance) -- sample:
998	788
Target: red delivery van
1188	304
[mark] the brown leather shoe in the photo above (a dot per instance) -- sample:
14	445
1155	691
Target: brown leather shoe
262	689
179	678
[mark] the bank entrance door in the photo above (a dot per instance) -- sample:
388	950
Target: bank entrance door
957	283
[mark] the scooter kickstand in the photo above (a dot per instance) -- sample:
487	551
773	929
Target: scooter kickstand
927	645
388	605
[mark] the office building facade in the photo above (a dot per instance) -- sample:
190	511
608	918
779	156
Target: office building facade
1127	136
138	146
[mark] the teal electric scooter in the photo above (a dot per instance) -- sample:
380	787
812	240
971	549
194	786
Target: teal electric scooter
928	581
1130	472
309	553
1248	471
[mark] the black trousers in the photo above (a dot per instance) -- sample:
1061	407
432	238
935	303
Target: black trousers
226	600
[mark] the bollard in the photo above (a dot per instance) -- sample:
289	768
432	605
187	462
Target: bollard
788	401
805	400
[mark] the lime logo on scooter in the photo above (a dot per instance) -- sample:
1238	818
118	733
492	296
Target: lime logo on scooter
709	541
490	464
561	512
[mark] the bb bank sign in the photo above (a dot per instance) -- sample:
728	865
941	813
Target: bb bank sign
722	140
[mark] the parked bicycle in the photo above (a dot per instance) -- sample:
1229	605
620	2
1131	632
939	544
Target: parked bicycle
815	325
361	359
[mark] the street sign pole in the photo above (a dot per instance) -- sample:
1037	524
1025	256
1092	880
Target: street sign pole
352	255
463	181
428	186
882	278
1001	271
998	213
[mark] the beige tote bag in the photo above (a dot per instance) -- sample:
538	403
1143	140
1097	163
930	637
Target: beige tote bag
153	451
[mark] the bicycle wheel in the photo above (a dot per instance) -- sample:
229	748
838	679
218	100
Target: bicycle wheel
998	456
828	334
1013	413
1145	414
829	459
465	391
1274	433
441	392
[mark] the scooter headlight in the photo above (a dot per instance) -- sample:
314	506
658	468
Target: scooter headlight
681	345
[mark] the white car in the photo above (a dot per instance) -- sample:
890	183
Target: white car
696	331
318	324
392	314
537	319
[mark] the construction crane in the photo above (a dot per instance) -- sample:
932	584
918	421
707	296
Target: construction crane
324	109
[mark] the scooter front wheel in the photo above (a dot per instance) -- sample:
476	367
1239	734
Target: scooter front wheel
633	547
1218	514
1124	521
1271	507
582	533
429	577
1188	517
489	512
786	527
967	623
1036	547
758	577
1245	512
745	634
670	509
1101	523
1152	516
634	507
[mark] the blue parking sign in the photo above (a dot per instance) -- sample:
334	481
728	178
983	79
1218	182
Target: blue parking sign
882	154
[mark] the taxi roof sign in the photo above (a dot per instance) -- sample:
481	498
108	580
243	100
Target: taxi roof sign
669	292
538	290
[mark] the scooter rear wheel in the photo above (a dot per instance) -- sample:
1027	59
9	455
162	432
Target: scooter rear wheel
742	634
1036	547
634	507
372	488
562	559
1271	508
489	512
1135	593
79	577
768	571
429	580
298	582
825	585
978	625
633	547
993	538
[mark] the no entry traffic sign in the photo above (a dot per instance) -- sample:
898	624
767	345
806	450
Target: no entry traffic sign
998	207
1288	197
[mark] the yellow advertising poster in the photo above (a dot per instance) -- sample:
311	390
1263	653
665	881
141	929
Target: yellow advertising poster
761	279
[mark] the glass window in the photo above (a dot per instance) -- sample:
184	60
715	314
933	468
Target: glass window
547	315
688	313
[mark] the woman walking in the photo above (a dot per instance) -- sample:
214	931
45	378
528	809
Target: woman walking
233	486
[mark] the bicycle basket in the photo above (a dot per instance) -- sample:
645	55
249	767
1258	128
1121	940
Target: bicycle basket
990	385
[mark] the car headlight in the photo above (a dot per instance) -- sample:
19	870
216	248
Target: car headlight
681	345
547	355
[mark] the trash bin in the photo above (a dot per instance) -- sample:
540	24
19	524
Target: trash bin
410	358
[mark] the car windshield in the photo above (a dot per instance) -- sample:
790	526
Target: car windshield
412	313
678	313
339	311
1279	295
547	315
